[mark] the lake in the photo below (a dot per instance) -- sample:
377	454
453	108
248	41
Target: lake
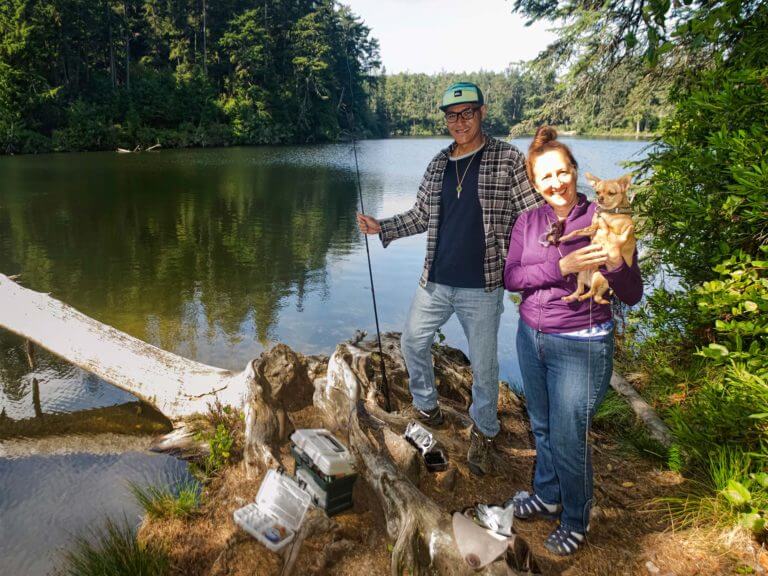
214	254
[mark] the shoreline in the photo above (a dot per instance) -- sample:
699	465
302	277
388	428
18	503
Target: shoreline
648	137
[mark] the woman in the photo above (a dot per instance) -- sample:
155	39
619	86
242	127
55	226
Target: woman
565	349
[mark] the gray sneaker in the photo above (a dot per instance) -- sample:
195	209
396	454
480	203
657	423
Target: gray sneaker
432	417
480	455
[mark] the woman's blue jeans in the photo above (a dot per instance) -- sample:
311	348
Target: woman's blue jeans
565	379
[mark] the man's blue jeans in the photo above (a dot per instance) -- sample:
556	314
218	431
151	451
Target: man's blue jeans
478	312
564	379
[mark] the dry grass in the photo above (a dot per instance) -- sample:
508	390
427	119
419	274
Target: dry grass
627	532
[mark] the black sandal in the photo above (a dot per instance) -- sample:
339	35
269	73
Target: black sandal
529	506
564	542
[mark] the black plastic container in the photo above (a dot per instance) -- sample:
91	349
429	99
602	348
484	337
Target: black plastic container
333	494
436	461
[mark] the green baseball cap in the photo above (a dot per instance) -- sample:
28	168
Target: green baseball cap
461	93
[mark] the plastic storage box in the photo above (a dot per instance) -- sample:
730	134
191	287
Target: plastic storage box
325	468
277	513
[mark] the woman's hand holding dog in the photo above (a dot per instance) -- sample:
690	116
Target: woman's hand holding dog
585	258
617	242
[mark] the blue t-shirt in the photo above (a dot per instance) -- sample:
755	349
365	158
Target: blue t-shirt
460	236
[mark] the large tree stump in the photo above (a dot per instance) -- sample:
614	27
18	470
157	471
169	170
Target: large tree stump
278	384
350	401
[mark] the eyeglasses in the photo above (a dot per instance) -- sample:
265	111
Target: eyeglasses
552	236
467	114
561	176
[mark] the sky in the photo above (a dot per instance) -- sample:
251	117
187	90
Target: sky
434	35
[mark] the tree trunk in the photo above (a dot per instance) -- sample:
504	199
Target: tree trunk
127	46
205	44
112	71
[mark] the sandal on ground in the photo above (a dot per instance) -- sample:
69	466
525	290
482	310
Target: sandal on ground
564	542
527	506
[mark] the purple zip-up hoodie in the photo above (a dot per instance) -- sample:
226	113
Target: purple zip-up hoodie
534	271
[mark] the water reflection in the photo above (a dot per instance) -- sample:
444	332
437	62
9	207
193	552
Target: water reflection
167	249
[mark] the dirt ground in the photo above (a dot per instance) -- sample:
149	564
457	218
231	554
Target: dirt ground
628	536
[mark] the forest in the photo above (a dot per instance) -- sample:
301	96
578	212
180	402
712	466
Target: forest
97	75
94	75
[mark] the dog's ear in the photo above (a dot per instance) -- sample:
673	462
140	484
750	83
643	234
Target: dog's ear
593	180
625	181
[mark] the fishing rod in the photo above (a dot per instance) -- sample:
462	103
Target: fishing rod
351	122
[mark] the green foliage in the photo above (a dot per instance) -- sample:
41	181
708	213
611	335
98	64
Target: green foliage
704	197
113	550
615	416
221	450
225	442
675	458
162	501
86	129
737	304
728	407
726	495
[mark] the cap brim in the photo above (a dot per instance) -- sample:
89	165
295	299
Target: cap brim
445	107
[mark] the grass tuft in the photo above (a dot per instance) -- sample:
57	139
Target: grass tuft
114	551
162	502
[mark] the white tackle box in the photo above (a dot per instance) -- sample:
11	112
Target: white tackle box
326	453
277	513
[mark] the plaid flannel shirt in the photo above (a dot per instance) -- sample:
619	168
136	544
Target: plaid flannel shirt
504	192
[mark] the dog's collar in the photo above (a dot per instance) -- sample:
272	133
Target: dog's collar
617	210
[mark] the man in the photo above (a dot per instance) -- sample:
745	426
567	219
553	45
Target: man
468	200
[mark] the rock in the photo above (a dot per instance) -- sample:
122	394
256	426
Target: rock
652	568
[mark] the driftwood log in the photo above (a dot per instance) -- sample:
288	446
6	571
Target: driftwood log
656	427
176	386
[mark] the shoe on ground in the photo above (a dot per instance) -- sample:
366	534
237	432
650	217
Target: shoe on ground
480	454
433	417
564	542
528	506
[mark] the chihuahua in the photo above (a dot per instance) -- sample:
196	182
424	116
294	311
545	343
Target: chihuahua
612	219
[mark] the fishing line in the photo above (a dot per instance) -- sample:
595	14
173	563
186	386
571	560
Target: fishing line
351	122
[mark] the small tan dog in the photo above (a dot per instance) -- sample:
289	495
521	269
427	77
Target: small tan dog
613	219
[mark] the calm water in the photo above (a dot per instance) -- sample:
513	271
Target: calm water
213	254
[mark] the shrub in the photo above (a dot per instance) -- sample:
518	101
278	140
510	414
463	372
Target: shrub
704	198
726	494
85	129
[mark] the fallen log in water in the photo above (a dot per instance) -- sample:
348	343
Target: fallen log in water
174	385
